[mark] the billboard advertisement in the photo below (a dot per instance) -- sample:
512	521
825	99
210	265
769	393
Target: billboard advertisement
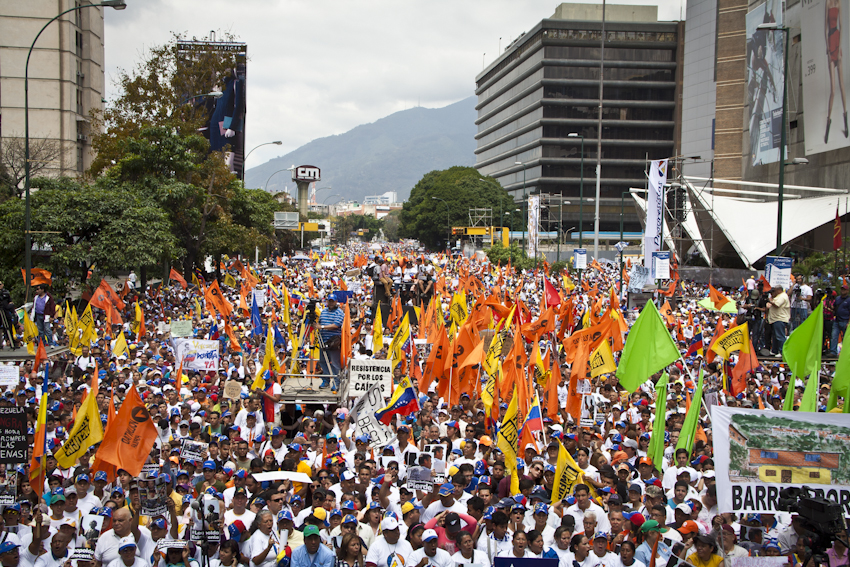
224	125
824	73
758	453
765	78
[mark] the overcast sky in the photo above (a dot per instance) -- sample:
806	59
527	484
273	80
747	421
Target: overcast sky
321	67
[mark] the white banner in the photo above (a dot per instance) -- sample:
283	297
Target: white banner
9	376
758	453
366	423
197	354
367	373
654	208
533	225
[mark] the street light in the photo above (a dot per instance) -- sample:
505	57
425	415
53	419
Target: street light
580	190
560	223
523	198
448	223
213	94
273	174
116	4
782	136
513	216
244	161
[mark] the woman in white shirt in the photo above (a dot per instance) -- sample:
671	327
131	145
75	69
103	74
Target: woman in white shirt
519	547
467	553
263	546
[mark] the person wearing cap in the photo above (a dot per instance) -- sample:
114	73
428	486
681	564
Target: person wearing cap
430	553
240	509
128	555
652	533
312	553
706	552
388	545
452	525
86	500
445	502
123	529
263	544
330	330
540	516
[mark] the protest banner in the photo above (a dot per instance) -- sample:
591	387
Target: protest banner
419	478
196	354
193	450
90	528
181	328
9	376
153	498
758	453
367	373
366	423
13	435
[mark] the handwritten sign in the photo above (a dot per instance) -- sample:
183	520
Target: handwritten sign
232	390
9	376
197	354
366	423
181	328
13	436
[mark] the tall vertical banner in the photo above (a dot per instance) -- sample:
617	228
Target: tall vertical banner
765	78
654	210
758	453
825	40
533	225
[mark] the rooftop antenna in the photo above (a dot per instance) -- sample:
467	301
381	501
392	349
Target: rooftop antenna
482	61
500	45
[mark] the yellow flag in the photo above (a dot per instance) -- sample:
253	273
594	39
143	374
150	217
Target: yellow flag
229	280
377	331
73	332
30	333
602	360
197	306
401	338
137	320
441	316
195	281
70	321
567	474
507	441
541	375
270	359
736	338
491	362
458	309
568	283
119	345
286	316
86	323
296	341
87	430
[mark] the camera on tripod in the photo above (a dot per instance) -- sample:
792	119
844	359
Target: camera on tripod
310	310
822	519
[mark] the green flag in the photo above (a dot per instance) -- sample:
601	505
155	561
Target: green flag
655	451
841	380
810	394
788	404
847	400
689	427
648	349
832	402
802	350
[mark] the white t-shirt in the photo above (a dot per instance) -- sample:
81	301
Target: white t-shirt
47	560
139	562
257	545
440	559
247	517
380	552
478	558
609	560
106	550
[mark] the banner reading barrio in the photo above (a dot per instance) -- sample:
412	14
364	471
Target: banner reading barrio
758	453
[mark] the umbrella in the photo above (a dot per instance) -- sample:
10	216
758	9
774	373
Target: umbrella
727	308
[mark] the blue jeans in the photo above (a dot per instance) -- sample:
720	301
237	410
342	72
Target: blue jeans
44	330
838	327
334	369
779	328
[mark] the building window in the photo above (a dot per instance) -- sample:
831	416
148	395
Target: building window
769	455
80	102
80	158
78	17
815	474
770	472
813	458
79	43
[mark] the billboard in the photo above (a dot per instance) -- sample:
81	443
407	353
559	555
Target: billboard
225	115
654	207
758	453
765	78
824	73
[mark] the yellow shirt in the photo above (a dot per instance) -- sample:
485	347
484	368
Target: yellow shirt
713	561
303	467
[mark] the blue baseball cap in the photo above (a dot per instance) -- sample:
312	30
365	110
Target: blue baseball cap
349	519
541	509
100	475
8	546
209	465
284	515
159	523
446	489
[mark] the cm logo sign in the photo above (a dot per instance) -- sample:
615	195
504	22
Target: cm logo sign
306	173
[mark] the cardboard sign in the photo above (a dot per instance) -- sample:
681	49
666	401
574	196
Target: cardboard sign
9	376
366	423
181	328
232	390
153	498
367	373
419	478
13	436
192	451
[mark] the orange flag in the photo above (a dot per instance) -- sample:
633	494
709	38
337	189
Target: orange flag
234	344
243	299
436	362
577	372
513	368
128	444
552	404
345	339
667	312
310	288
104	298
718	330
40	355
746	363
717	298
544	324
99	464
174	275
214	296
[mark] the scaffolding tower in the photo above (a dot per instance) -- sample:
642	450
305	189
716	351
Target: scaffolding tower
480	217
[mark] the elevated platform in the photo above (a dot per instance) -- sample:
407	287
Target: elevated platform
21	354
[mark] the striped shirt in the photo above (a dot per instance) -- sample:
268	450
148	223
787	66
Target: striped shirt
328	317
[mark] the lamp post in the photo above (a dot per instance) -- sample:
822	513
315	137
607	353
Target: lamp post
118	5
244	161
560	223
272	175
524	204
580	190
448	223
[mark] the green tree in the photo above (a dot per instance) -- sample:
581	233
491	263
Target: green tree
500	255
392	222
423	216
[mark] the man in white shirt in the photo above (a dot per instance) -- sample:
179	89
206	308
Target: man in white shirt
583	505
429	553
387	545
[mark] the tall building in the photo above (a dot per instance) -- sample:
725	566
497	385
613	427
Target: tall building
545	87
66	82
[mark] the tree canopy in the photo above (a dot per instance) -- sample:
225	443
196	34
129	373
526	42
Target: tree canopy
462	188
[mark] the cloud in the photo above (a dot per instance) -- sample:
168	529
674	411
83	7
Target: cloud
321	67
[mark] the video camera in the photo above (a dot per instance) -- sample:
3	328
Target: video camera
310	310
822	519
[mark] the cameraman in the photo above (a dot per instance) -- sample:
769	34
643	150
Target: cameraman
801	299
330	329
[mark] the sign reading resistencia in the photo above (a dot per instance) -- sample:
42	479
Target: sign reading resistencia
367	373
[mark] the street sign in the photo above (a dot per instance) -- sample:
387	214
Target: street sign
286	221
580	258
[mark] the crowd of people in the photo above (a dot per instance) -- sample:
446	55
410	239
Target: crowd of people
272	481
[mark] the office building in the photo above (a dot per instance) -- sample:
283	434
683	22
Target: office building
66	82
545	86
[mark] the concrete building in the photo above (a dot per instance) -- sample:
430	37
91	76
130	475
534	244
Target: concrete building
388	198
545	86
66	82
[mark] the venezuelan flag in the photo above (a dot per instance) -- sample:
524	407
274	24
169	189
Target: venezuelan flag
696	345
37	464
404	402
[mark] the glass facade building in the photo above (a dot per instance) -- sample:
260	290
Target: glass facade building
545	86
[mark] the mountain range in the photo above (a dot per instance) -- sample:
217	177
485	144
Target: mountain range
390	154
